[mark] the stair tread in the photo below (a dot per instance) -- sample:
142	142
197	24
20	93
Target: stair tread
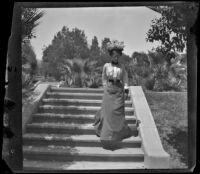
72	137
76	94
84	89
77	107
75	115
80	150
81	165
64	125
77	100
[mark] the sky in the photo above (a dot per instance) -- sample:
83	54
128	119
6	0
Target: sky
127	24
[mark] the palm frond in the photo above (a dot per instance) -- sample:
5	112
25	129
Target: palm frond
68	62
30	20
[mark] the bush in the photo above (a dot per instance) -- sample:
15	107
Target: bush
161	74
150	82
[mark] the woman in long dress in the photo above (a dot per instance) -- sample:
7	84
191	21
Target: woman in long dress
110	124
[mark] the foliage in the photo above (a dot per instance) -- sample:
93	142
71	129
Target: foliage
29	21
153	71
169	75
140	58
141	70
104	55
104	45
29	56
94	50
172	27
29	68
65	45
78	72
29	63
69	59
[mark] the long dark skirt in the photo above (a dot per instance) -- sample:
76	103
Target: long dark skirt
110	124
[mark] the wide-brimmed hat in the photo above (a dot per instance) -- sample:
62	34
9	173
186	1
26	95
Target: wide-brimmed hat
115	45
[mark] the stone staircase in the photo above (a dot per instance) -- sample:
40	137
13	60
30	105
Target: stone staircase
60	135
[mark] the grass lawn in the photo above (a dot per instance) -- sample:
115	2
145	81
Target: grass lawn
169	110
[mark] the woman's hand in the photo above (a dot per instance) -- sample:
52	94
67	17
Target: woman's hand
126	91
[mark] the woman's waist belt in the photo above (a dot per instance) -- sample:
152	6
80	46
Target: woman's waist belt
114	81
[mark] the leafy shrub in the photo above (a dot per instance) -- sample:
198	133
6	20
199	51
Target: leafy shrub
150	82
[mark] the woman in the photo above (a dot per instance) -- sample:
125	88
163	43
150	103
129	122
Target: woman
110	124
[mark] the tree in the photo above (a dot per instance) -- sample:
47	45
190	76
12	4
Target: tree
140	58
171	76
171	28
141	70
29	21
154	72
78	72
76	42
65	45
104	45
29	63
104	56
29	56
94	50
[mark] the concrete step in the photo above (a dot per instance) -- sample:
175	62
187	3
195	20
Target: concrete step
70	118
60	128
53	84
31	165
42	139
78	153
73	109
68	95
77	102
77	90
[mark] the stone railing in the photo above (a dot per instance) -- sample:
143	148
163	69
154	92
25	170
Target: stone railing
155	156
31	107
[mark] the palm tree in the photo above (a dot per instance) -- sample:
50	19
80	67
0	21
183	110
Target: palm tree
29	21
78	71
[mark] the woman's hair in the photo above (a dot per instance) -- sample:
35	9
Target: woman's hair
117	50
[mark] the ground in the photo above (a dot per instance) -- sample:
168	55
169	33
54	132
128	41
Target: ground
169	110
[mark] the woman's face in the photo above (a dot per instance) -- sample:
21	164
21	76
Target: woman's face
115	56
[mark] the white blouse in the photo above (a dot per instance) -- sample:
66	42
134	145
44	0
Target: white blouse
117	72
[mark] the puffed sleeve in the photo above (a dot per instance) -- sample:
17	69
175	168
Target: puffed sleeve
104	76
125	77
